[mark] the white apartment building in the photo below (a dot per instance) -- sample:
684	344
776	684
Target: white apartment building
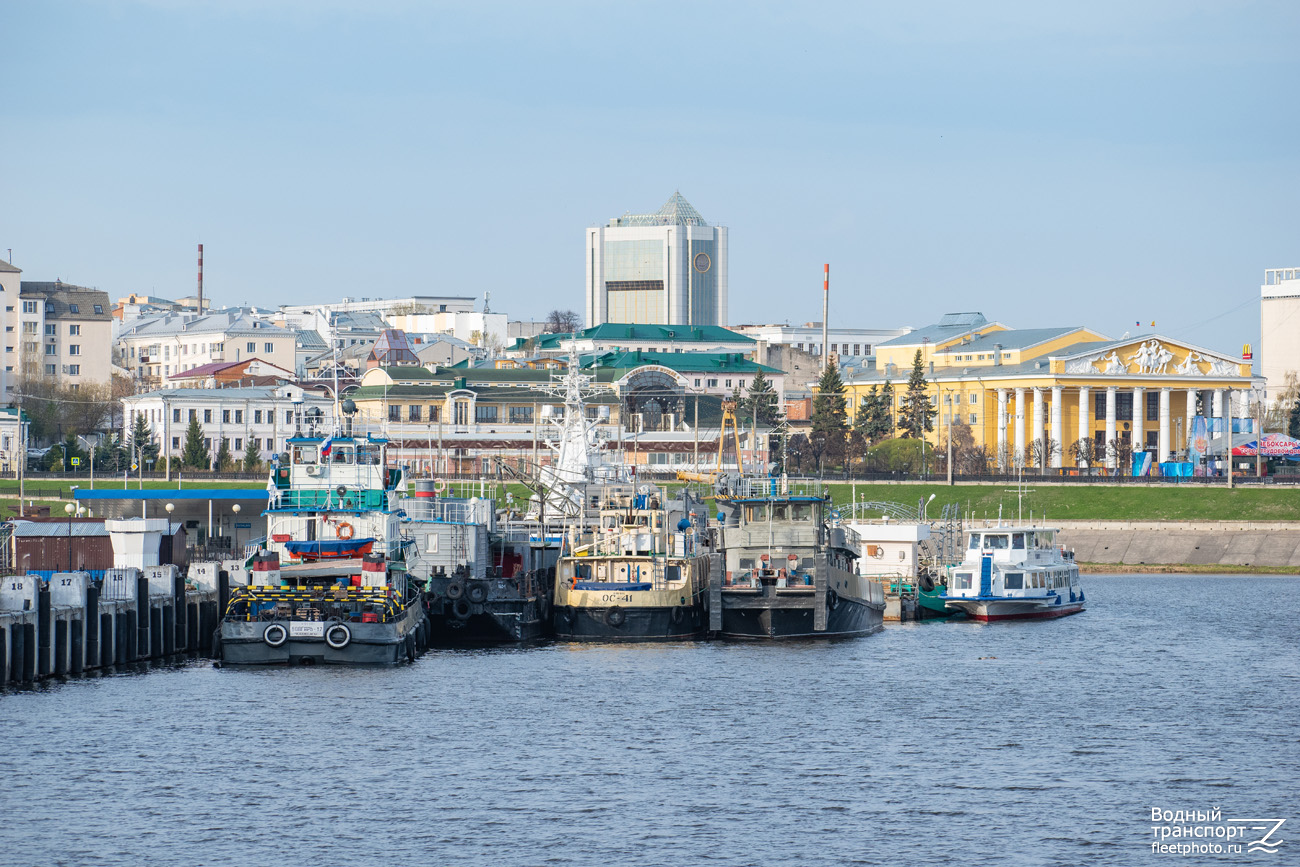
665	268
1279	329
264	414
156	347
53	330
846	342
444	314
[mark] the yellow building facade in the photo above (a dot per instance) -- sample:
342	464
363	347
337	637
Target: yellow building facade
1055	386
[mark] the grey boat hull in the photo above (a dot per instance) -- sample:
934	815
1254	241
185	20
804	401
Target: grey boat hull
678	623
792	617
244	643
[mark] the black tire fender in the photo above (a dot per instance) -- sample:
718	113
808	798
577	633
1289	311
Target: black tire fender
455	590
615	616
338	636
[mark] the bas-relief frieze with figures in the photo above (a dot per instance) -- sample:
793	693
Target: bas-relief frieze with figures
1151	358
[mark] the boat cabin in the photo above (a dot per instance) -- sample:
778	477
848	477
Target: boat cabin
774	541
1014	562
335	472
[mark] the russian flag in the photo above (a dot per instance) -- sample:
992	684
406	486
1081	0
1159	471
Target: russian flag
325	449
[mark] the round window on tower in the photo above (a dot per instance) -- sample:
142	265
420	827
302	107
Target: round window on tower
702	262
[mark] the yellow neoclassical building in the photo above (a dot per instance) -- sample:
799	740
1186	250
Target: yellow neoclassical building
1060	385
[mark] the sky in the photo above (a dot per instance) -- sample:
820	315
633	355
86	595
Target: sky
1097	164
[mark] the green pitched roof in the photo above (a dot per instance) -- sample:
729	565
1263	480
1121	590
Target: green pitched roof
613	331
682	362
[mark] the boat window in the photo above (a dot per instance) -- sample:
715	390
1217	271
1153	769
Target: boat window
961	581
1046	540
672	573
746	562
756	513
1031	541
801	511
807	563
343	454
368	455
1013	581
1018	541
304	454
974	541
779	512
995	541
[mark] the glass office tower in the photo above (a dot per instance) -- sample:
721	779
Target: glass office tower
665	268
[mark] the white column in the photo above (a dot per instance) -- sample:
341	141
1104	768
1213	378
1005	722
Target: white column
1111	391
1217	400
1002	427
1139	419
1165	448
1037	403
1058	426
1019	457
1085	415
1192	396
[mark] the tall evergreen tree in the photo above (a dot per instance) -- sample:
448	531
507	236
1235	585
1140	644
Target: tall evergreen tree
142	443
762	395
252	459
874	415
830	416
916	415
225	461
195	453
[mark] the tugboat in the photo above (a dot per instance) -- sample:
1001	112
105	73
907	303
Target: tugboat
485	582
331	586
1015	573
643	575
789	568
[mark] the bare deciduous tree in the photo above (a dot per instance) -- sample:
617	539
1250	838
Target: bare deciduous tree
562	322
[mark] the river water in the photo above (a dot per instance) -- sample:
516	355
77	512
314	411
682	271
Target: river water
1006	743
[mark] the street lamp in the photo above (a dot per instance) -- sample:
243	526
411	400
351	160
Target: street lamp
91	446
234	529
70	509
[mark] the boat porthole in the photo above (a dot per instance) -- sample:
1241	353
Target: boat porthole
275	635
338	636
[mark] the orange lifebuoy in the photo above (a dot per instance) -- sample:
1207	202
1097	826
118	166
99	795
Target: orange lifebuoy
344	531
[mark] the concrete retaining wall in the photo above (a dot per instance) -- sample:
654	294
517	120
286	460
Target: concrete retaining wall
1224	543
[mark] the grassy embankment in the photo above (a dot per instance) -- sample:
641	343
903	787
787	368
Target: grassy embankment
1057	502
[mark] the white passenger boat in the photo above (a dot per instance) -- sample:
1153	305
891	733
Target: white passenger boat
1012	573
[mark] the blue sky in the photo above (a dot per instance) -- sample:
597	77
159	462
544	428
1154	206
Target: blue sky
1096	165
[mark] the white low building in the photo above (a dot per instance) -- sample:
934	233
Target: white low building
890	549
266	415
154	348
